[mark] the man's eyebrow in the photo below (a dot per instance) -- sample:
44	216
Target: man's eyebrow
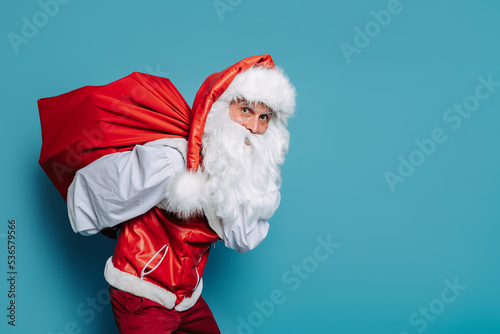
242	101
252	106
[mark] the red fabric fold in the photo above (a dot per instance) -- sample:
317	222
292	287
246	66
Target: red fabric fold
85	124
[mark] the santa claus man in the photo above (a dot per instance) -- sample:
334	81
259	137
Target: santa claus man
174	198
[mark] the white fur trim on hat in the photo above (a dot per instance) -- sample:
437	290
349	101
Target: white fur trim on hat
268	85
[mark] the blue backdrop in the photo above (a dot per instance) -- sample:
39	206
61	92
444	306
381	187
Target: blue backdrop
389	221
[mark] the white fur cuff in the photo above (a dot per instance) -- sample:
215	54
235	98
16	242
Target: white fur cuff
185	194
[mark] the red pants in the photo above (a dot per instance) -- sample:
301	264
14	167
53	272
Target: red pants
139	315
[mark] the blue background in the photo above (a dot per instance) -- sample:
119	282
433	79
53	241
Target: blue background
356	115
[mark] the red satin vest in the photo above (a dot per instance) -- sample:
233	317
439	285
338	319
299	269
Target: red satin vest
139	250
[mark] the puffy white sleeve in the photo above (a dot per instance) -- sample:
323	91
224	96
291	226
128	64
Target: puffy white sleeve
120	186
242	234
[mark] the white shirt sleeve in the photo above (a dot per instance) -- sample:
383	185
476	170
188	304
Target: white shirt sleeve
243	234
120	186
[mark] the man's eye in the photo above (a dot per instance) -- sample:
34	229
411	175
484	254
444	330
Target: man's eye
264	117
245	110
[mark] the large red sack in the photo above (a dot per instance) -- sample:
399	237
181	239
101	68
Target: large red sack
85	124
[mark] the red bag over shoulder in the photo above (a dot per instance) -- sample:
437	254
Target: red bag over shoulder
85	124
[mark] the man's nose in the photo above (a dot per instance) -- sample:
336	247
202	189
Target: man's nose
252	125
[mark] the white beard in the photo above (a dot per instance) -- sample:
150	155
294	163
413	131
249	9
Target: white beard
239	170
243	168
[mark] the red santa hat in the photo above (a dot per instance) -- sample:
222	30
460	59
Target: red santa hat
254	79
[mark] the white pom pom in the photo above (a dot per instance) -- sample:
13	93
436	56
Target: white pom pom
185	194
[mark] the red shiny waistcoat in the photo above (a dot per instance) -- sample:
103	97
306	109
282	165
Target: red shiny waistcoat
141	239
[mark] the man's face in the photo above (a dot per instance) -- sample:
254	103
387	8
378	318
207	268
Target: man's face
255	118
